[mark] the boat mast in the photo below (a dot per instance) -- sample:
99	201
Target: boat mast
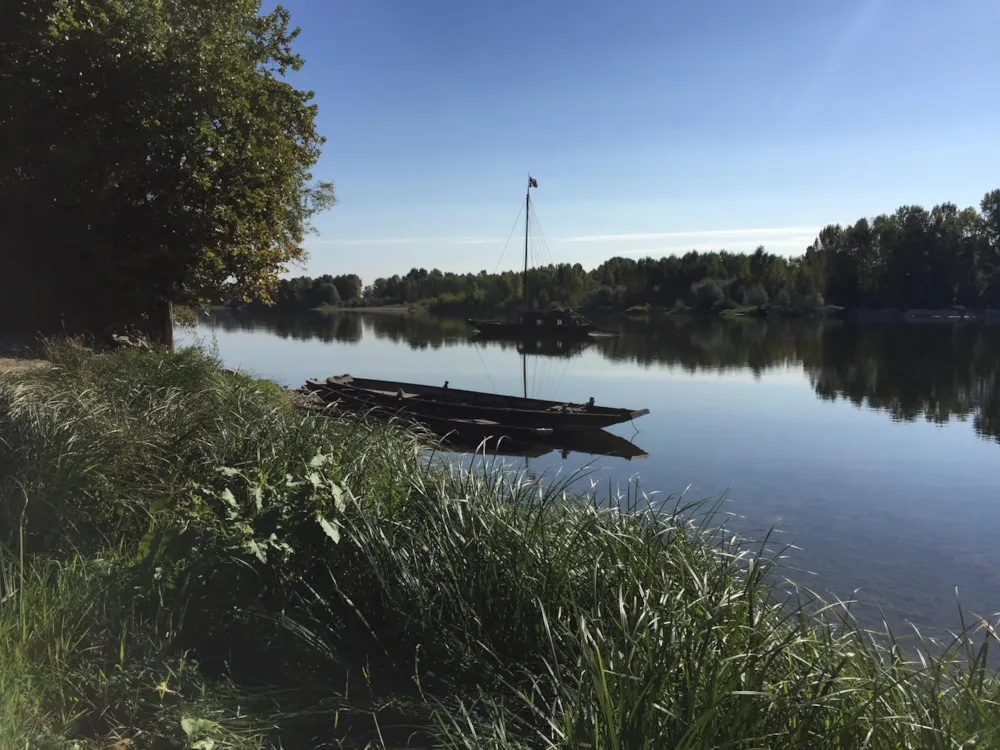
524	372
524	381
527	213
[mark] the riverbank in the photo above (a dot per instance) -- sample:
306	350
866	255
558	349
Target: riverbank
189	559
649	310
18	353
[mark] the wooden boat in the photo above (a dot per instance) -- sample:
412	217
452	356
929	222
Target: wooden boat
534	323
453	403
562	324
479	435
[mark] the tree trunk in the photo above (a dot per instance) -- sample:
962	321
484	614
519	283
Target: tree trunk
161	323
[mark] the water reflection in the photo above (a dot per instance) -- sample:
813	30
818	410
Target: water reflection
309	327
910	372
936	372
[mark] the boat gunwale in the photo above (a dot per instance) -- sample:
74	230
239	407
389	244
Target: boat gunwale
505	415
517	401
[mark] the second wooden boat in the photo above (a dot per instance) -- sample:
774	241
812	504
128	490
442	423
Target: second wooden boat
534	323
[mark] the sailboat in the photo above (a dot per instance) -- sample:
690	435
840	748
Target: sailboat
560	323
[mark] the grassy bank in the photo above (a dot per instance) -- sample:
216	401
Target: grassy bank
189	562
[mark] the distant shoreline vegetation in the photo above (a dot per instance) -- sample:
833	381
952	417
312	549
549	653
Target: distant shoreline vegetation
941	259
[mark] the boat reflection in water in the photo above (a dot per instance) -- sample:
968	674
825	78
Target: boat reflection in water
487	437
593	442
537	346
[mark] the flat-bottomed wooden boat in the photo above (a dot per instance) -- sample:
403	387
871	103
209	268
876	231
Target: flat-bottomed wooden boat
455	403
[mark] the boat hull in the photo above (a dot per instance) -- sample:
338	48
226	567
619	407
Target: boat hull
453	403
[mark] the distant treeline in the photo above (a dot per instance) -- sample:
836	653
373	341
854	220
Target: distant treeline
912	258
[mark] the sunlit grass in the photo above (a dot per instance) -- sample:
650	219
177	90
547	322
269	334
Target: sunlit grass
188	561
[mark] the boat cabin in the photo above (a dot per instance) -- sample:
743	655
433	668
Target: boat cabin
551	319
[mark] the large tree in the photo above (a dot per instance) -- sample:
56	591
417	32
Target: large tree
151	151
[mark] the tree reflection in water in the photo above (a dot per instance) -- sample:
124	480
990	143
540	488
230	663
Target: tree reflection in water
909	371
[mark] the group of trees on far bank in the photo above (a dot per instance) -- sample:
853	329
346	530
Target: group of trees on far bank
305	293
912	258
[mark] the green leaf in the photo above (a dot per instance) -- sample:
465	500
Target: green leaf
258	497
320	459
252	546
332	529
338	497
196	728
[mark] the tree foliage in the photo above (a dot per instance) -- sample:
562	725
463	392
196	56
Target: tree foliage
913	258
153	149
305	293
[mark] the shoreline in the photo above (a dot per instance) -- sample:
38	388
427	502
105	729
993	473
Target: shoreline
654	311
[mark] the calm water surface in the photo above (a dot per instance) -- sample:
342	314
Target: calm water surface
874	448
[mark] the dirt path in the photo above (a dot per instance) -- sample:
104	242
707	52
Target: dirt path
16	355
18	364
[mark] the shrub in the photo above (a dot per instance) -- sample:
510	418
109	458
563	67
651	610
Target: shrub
707	295
755	295
813	302
604	297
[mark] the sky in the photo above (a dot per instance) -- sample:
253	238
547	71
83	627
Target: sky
653	127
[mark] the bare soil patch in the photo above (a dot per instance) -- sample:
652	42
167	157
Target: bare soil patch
18	353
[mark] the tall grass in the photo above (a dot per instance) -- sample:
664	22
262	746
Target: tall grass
188	561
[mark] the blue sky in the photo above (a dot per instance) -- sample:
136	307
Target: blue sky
653	127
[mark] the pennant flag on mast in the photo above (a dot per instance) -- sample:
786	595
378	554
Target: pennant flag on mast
533	182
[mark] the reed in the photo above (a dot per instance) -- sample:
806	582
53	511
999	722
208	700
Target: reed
188	561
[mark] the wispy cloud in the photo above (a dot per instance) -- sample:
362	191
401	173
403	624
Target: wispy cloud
776	239
701	233
787	246
407	241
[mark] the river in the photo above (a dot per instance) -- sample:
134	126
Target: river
873	448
